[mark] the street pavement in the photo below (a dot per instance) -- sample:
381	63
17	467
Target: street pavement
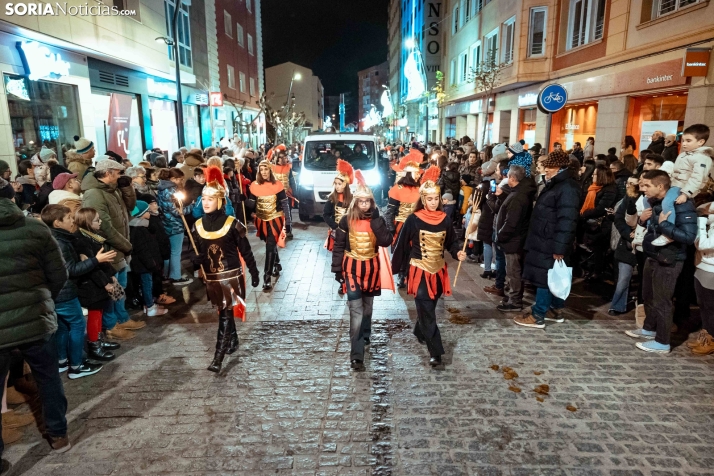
287	402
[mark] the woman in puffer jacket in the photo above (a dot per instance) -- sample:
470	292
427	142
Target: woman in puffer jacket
703	342
170	182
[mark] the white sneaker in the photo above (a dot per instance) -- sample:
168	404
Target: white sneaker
483	265
661	240
85	312
155	310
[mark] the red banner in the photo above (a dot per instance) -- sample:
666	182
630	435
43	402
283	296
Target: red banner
118	123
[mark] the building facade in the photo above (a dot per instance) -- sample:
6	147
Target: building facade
622	63
394	57
111	78
372	82
289	79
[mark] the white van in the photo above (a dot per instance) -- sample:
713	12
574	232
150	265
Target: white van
319	167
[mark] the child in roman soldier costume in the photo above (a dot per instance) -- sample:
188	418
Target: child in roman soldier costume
272	215
403	198
356	263
338	202
426	234
219	239
283	171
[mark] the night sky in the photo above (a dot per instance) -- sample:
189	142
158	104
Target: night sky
334	38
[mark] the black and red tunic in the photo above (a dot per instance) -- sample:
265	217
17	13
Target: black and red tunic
421	244
356	253
401	204
271	209
332	214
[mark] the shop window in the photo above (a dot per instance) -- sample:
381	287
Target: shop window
184	32
663	112
574	123
586	21
117	125
490	56
163	125
527	125
508	37
228	24
231	76
239	34
41	113
536	31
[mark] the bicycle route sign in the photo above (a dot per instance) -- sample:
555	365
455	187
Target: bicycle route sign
552	98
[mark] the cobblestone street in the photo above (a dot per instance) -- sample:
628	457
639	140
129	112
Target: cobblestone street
287	402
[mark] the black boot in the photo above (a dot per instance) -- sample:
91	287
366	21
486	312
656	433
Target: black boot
268	270
97	352
402	281
222	343
233	333
107	344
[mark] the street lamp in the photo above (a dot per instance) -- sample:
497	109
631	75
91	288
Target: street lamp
179	98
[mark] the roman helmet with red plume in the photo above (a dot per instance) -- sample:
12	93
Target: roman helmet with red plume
215	185
276	149
345	172
428	182
362	190
410	163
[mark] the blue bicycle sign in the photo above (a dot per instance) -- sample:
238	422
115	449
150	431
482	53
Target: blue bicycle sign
552	98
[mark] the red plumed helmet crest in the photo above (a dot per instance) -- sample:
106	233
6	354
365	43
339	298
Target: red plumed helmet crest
361	190
431	174
214	174
360	178
345	171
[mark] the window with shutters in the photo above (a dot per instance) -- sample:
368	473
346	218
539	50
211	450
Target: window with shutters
586	22
536	32
509	28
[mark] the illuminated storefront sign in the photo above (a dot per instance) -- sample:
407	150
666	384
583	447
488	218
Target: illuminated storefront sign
17	88
161	89
528	99
39	62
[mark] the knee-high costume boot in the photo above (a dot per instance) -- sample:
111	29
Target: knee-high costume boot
223	338
268	268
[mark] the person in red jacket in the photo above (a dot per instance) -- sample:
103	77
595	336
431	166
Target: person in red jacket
422	241
272	215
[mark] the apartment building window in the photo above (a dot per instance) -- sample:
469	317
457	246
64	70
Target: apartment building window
536	31
491	48
663	7
241	82
239	34
476	55
455	20
249	6
478	5
509	27
228	23
586	22
463	67
252	87
452	73
250	43
231	76
467	9
184	32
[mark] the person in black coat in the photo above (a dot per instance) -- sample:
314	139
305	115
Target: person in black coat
621	177
664	263
511	230
595	220
551	236
146	256
156	228
625	221
671	149
657	144
485	231
70	320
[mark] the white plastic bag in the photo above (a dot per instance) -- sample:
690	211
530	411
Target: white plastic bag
560	278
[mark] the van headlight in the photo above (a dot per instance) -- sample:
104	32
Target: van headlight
372	178
306	178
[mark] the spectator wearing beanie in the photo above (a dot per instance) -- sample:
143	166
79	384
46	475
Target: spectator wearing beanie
518	156
46	154
44	182
146	256
551	236
67	191
79	159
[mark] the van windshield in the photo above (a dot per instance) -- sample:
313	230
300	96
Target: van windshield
324	155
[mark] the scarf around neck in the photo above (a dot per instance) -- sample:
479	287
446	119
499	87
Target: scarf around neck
590	198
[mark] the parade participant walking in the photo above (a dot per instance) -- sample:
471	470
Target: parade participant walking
356	264
403	198
219	238
283	171
269	220
337	203
426	234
